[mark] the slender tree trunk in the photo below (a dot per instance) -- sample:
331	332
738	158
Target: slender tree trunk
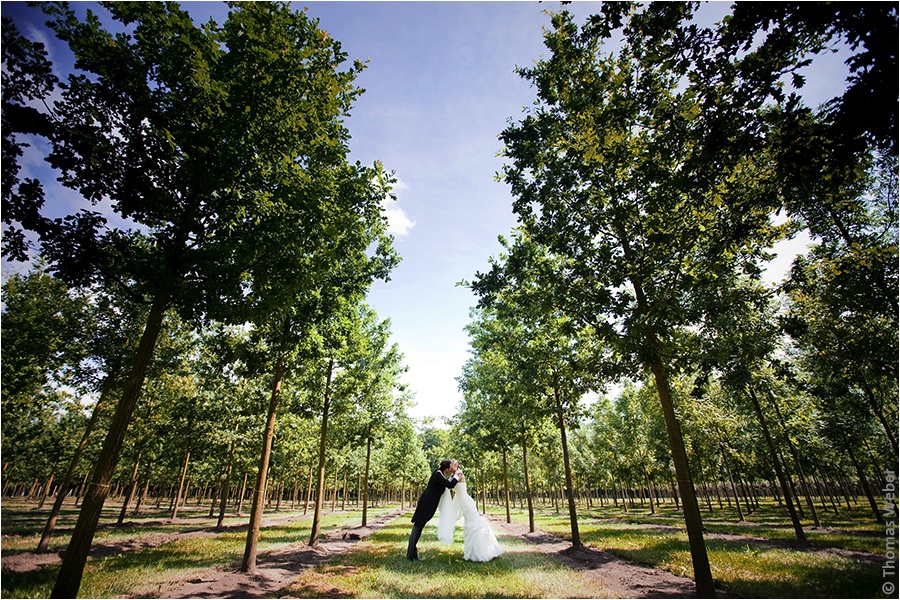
649	492
734	491
798	528
240	499
46	491
573	515
528	494
308	490
865	485
212	503
335	492
73	464
365	489
323	440
876	410
142	496
692	519
344	493
226	486
178	495
131	487
796	456
506	487
68	580
248	565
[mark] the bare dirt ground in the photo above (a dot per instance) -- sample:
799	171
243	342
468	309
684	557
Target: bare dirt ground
29	561
275	570
628	579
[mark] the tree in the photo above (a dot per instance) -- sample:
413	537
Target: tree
27	77
377	399
196	136
612	170
501	408
553	353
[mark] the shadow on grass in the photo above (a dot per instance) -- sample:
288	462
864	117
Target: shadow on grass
31	584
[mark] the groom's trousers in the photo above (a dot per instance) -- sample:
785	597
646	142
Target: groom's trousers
412	553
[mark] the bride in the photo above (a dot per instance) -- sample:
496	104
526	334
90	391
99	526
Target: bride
479	542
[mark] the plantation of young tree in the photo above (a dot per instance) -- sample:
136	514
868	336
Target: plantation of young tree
195	355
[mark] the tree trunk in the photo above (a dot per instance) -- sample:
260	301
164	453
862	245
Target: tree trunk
365	489
734	491
131	487
876	410
865	485
323	440
240	499
226	486
178	496
506	487
248	565
142	496
796	456
308	490
798	528
46	492
692	519
573	515
68	580
335	489
73	464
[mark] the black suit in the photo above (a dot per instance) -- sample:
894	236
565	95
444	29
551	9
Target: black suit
425	509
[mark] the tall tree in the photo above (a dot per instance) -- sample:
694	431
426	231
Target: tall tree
612	170
197	137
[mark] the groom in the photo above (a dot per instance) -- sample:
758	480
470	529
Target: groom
428	503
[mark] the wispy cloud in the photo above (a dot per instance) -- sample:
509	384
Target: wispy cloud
399	223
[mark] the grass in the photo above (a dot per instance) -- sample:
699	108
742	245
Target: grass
774	567
377	568
151	570
765	563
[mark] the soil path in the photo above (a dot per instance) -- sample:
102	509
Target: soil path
277	569
628	579
274	570
29	561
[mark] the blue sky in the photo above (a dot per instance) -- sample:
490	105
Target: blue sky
440	87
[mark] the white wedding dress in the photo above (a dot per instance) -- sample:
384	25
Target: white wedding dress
479	542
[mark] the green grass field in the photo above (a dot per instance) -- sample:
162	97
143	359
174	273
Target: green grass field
765	562
758	558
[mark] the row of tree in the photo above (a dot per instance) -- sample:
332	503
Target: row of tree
211	297
201	405
651	181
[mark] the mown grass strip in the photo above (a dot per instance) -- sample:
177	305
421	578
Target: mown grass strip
377	568
150	570
762	569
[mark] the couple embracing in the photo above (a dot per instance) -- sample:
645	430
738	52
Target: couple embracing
479	542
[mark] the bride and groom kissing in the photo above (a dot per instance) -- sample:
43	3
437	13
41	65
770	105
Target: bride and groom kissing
479	542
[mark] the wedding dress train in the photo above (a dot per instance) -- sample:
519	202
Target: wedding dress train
479	542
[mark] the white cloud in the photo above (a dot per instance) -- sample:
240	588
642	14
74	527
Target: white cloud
399	222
